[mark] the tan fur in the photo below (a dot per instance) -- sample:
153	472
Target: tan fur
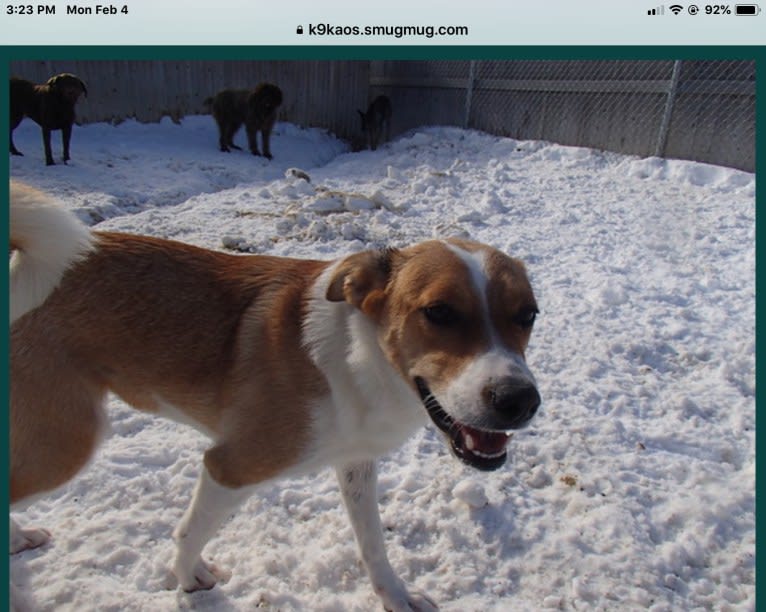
218	337
509	291
215	335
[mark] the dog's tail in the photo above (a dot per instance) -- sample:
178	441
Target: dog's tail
45	240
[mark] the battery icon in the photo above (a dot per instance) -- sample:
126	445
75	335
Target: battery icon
746	9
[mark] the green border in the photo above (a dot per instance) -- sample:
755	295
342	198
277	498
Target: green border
288	52
351	52
4	362
760	198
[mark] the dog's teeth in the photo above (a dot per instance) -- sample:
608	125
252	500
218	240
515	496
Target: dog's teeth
488	455
470	443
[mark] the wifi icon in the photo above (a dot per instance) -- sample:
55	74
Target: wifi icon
676	8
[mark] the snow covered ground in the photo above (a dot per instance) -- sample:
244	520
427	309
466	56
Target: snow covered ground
633	489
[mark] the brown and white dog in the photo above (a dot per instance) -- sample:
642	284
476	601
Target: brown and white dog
287	364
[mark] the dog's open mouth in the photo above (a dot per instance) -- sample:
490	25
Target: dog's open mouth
480	448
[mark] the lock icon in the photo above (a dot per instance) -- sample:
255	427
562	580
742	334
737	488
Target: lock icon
299	30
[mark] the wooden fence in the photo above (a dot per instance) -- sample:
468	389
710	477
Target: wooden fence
316	93
698	110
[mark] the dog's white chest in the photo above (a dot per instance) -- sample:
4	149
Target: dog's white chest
370	409
345	431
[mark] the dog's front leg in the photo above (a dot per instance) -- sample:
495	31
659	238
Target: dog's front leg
211	504
47	146
252	138
266	138
358	485
66	136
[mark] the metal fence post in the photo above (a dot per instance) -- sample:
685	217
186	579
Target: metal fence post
469	92
662	137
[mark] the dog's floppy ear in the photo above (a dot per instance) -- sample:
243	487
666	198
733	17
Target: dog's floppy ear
58	79
361	280
66	78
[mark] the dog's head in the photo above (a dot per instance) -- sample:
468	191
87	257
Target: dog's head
454	319
266	98
67	86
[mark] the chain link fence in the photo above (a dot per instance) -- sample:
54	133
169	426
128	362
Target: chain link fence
697	110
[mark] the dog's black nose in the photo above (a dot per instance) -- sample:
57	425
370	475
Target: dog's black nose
514	401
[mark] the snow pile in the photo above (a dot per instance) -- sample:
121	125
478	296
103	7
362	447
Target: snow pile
633	489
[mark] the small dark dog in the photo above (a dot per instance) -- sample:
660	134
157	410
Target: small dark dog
256	108
50	105
378	114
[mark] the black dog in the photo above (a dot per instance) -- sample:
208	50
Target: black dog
50	105
256	108
378	114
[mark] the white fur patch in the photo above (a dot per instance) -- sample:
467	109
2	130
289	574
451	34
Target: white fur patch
169	411
50	239
476	263
370	409
463	395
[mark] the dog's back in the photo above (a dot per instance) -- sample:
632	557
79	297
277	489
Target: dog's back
230	106
22	96
51	103
229	109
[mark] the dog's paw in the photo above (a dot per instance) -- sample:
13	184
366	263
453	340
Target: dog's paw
26	539
402	600
420	602
203	578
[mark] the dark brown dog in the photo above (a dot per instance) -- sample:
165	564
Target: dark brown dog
50	105
256	108
377	116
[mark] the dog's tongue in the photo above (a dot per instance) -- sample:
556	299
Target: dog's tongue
484	442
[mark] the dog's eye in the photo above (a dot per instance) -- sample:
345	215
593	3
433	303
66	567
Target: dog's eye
526	318
441	314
